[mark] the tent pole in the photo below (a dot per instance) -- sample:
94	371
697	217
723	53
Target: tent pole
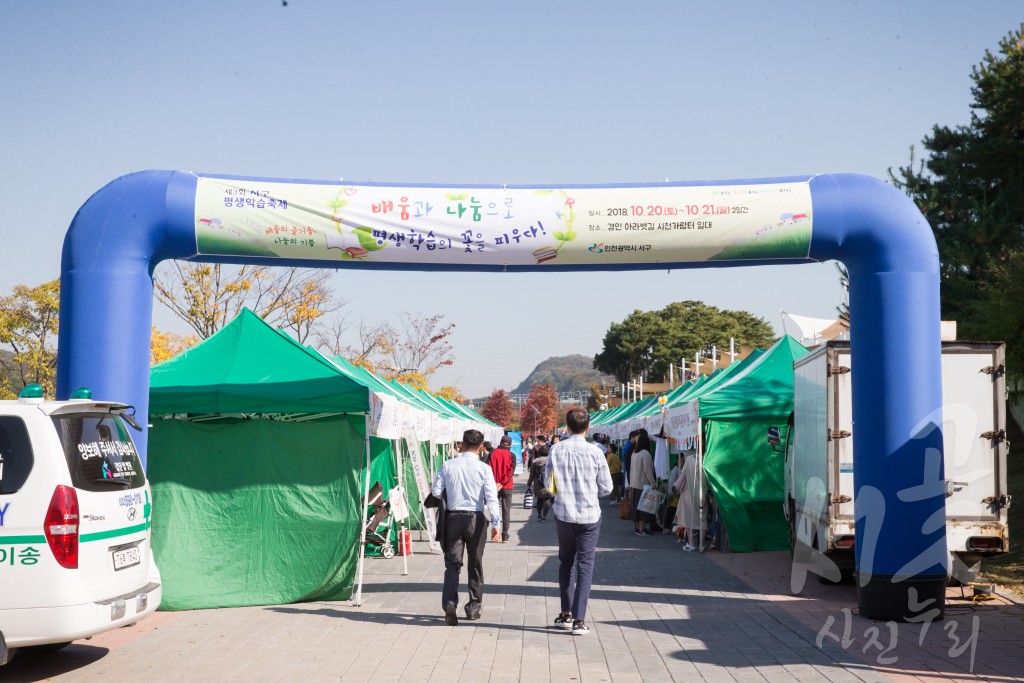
700	485
358	599
401	533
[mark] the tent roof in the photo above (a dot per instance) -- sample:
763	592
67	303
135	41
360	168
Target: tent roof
762	389
248	367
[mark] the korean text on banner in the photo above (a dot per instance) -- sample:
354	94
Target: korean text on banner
424	488
499	226
684	425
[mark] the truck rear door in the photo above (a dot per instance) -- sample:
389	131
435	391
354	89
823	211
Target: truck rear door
974	421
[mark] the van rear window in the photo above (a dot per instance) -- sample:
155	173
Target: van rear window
100	454
15	454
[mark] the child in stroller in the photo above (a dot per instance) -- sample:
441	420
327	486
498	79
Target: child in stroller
379	524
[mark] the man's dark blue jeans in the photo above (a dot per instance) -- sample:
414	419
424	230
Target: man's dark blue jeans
577	544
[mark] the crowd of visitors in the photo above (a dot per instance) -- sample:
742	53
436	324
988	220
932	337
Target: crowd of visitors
632	469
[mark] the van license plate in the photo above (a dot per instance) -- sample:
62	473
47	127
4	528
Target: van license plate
129	557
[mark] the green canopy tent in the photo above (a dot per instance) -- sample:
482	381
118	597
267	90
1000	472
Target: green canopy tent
258	453
744	473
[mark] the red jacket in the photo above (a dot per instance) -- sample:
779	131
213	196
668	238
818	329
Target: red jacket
503	467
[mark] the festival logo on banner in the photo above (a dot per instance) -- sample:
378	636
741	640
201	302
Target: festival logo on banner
502	226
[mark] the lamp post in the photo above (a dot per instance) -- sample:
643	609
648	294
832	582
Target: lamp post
536	417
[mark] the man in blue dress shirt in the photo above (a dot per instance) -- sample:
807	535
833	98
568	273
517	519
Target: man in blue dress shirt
468	485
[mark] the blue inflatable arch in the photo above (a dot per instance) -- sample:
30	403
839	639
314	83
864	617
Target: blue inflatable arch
123	231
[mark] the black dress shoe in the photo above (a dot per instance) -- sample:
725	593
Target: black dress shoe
451	617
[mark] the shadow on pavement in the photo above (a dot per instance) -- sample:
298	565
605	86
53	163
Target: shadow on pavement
26	667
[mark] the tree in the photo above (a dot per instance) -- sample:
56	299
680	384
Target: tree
971	189
208	296
373	342
416	351
28	328
166	345
423	343
450	393
647	342
540	412
499	408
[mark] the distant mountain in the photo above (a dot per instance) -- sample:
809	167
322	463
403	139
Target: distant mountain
567	373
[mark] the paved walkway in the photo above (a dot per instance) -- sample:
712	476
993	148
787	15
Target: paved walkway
656	614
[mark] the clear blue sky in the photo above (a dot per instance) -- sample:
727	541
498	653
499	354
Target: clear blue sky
473	92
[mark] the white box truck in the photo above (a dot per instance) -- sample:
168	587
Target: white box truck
819	457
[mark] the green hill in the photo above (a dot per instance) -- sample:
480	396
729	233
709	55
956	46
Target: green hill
567	373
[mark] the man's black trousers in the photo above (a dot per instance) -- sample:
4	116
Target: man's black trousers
465	532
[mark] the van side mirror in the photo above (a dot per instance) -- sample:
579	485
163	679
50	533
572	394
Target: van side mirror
775	439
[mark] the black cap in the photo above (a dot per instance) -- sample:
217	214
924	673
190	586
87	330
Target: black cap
505	441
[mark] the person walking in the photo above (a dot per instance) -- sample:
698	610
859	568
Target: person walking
615	468
688	513
503	467
577	473
541	496
540	441
641	474
468	486
627	453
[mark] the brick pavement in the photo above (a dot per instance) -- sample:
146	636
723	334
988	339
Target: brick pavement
656	614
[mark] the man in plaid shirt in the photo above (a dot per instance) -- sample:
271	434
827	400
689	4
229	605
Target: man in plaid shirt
577	473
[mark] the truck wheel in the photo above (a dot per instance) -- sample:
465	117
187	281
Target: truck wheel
824	580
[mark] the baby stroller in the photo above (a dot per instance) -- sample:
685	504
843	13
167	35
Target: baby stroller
379	524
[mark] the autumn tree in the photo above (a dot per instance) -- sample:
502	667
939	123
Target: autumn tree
373	342
450	393
540	412
166	345
417	347
499	408
208	296
28	332
423	343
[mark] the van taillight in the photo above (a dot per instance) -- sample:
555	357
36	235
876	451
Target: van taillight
984	543
61	526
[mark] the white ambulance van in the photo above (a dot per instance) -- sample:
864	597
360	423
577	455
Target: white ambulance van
75	555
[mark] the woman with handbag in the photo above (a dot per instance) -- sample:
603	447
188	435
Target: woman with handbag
541	496
641	474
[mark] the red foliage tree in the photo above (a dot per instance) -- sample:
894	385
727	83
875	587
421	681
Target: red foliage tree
499	408
540	412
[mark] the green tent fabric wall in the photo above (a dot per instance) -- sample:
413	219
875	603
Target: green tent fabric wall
746	476
744	473
249	367
256	512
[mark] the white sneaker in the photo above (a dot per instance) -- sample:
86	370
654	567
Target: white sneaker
689	548
579	628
